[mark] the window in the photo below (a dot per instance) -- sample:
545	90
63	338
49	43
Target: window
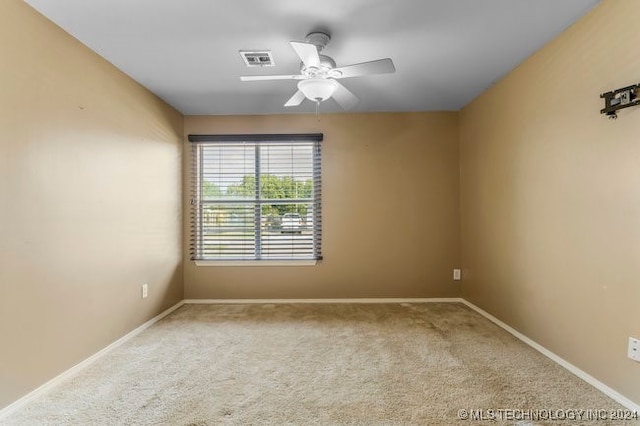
256	197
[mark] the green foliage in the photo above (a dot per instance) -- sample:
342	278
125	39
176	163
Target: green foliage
275	188
210	190
245	189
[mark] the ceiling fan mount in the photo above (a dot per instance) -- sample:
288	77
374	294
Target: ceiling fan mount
319	74
318	39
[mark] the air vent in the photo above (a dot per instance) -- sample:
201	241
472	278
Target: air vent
257	58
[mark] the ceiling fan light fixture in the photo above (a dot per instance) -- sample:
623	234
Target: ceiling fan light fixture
318	89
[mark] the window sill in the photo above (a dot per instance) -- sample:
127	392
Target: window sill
244	263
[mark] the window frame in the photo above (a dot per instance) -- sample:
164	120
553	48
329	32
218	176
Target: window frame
198	142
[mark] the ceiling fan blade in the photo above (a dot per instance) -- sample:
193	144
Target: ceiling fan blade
344	97
271	77
308	53
296	99
381	66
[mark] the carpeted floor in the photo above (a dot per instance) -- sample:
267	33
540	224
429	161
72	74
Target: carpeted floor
327	364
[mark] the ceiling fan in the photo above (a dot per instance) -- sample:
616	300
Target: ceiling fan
319	75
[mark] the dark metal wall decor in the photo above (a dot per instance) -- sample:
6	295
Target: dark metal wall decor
619	99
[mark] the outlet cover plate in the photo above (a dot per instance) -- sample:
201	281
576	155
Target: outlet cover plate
457	274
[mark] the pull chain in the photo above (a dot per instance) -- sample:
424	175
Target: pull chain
317	110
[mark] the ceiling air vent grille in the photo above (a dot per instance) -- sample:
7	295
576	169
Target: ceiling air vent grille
257	58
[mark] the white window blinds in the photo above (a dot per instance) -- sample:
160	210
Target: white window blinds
256	197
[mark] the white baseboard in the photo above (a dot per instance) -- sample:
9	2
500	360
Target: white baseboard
616	396
11	408
355	300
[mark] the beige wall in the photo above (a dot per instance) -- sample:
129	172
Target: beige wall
390	209
90	202
550	197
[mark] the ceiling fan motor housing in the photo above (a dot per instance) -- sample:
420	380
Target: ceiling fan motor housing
326	64
322	70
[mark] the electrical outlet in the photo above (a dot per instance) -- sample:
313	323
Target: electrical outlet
634	349
145	291
457	274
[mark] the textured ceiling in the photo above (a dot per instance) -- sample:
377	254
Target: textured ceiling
446	52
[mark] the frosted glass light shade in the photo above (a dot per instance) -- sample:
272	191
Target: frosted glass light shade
318	89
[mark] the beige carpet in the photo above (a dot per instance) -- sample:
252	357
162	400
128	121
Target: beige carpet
302	364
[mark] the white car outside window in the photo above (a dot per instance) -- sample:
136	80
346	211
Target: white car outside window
291	222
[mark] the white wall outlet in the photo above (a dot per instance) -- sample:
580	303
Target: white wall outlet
145	291
634	349
457	274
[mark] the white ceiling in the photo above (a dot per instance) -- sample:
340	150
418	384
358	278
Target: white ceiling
446	52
